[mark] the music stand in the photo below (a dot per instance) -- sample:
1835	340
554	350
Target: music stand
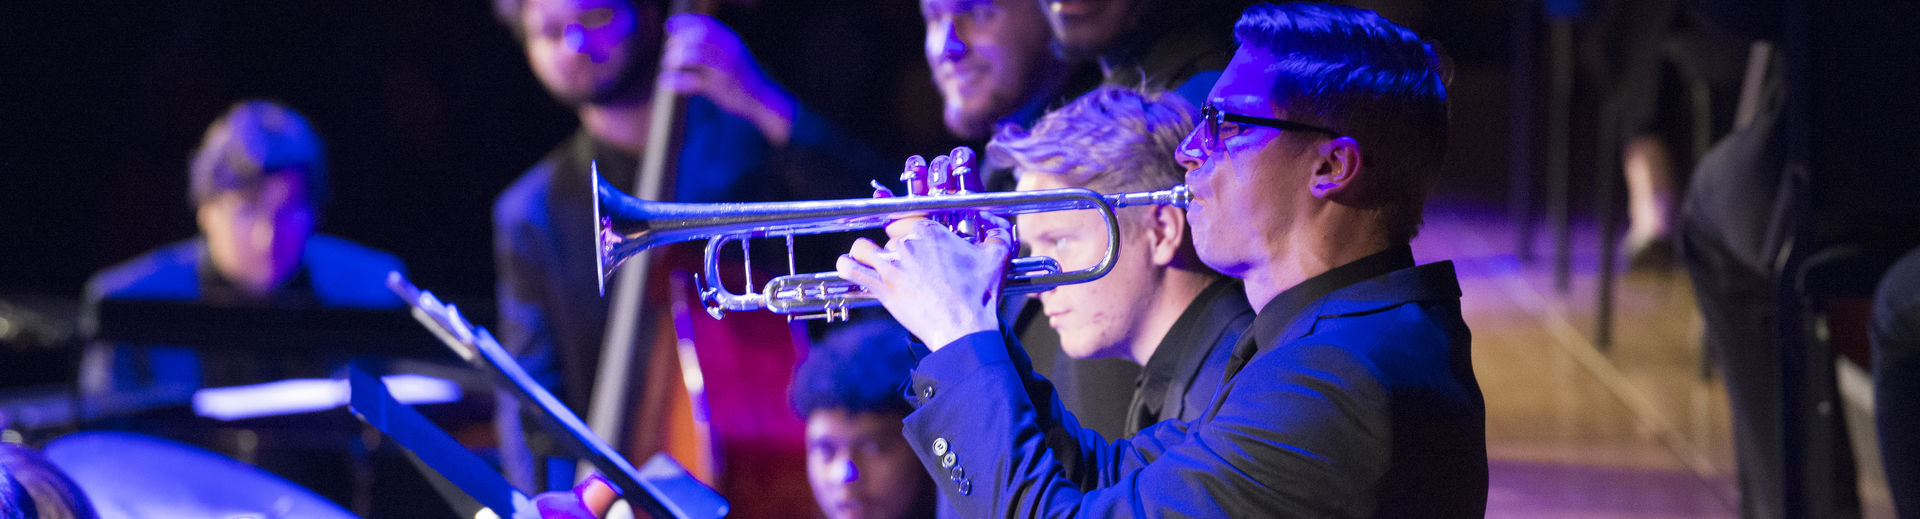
353	331
662	488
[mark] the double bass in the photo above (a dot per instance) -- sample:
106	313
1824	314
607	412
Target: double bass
712	395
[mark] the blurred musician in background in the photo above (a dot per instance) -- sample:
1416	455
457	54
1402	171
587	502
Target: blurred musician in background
991	61
848	391
257	184
1178	45
993	64
745	139
1155	45
1160	307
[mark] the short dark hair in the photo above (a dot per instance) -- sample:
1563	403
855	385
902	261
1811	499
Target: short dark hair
256	138
1352	70
858	368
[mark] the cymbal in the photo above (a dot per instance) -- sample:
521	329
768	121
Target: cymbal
129	475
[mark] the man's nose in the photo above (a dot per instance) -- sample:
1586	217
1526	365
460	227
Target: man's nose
1189	154
845	470
951	47
260	236
574	38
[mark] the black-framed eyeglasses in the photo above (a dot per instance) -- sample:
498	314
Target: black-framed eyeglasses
1210	117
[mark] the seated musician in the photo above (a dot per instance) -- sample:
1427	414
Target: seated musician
257	183
848	392
1160	307
1352	394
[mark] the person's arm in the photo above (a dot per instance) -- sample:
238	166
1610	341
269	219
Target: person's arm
705	58
1292	442
520	236
814	157
1304	432
1086	457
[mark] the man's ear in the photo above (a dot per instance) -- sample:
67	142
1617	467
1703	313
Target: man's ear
1166	232
1338	167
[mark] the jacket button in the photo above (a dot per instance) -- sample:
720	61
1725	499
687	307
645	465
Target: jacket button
948	461
939	446
926	393
957	474
966	486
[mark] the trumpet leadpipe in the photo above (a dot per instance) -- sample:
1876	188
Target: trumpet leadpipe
1177	196
628	225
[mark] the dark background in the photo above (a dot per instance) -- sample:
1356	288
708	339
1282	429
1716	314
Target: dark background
429	110
427	107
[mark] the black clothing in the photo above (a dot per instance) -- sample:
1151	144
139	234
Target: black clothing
1817	171
332	273
1179	381
1896	380
1364	404
1286	307
1091	388
1178	46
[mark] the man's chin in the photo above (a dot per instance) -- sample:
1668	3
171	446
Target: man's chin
1072	46
1077	350
967	125
623	89
571	96
848	511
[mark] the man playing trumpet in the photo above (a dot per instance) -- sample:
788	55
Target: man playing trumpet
1351	395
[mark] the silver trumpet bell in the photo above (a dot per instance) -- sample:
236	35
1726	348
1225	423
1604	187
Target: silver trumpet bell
629	226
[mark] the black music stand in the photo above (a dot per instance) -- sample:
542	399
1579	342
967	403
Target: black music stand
352	331
661	488
445	461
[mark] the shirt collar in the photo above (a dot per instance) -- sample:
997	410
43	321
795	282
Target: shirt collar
1212	305
1274	317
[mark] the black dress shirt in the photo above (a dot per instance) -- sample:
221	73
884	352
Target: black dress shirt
1187	367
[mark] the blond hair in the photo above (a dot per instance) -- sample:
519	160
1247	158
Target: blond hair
1113	139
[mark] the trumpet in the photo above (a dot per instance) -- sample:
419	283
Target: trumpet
628	226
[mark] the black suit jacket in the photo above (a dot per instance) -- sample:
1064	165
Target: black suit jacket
1362	403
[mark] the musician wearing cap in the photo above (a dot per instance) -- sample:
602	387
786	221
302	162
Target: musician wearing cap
1159	307
1352	394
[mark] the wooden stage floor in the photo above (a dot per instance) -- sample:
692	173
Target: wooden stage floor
1574	431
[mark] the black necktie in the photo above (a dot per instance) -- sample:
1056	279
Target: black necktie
1242	352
